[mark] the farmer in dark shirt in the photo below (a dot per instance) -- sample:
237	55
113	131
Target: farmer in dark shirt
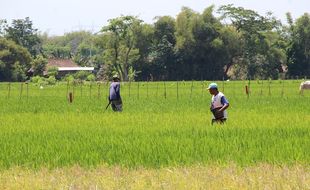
115	96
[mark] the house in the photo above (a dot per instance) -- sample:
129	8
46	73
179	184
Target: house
65	66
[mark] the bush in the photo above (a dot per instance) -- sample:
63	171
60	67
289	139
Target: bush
51	80
91	78
68	78
35	79
52	71
81	75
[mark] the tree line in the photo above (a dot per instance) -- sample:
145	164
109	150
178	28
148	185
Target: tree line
237	44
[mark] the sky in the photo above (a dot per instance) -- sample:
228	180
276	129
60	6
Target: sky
57	17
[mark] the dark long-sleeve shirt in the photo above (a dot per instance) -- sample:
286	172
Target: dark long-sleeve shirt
115	91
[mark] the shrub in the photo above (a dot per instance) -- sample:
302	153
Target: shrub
35	79
51	80
91	78
81	75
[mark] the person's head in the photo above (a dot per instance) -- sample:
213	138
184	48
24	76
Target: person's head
116	78
213	88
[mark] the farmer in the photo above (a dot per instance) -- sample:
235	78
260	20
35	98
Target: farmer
219	104
115	96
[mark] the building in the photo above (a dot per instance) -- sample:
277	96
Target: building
65	66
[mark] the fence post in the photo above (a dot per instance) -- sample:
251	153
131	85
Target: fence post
165	94
99	90
269	86
191	89
202	88
247	90
9	89
249	84
156	89
261	88
70	97
21	90
138	90
282	92
129	89
177	90
147	89
90	88
67	88
73	90
81	85
27	89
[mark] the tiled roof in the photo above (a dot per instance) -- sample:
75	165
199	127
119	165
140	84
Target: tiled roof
61	63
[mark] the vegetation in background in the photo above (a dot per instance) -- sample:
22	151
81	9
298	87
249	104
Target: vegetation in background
238	44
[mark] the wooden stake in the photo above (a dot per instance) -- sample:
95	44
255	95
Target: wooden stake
9	88
165	93
177	90
138	90
27	84
99	91
147	89
191	89
21	90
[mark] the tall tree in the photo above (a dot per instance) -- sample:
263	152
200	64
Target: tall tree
163	56
3	25
14	61
299	48
121	49
258	48
144	41
198	44
22	32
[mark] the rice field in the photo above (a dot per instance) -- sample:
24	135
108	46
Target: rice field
164	126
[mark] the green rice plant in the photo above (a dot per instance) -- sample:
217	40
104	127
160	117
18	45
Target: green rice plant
156	129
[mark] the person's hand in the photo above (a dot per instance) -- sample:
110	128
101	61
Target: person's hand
218	114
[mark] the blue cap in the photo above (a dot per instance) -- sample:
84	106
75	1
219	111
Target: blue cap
212	86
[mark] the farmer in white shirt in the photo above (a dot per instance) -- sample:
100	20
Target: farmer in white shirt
219	104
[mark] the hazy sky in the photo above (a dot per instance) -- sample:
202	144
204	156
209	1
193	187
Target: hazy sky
57	17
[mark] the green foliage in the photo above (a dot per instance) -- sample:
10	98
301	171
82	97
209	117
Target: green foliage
52	71
51	80
3	25
260	41
14	61
190	46
22	33
35	79
91	78
132	74
69	78
299	48
153	132
41	81
121	51
81	75
39	65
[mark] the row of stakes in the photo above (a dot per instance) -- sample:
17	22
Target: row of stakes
70	94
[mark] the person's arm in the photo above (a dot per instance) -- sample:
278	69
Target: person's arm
225	102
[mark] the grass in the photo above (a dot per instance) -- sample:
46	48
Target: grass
194	177
162	140
158	128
